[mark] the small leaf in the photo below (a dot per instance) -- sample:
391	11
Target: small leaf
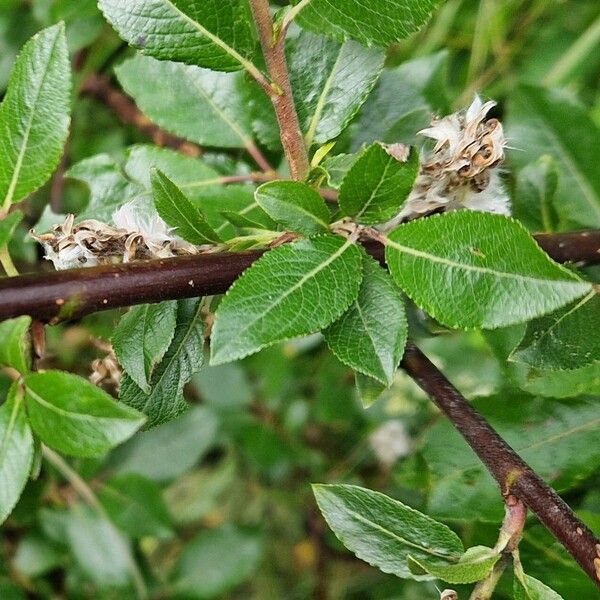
199	105
529	588
34	115
474	565
295	205
337	168
562	340
16	450
368	389
389	22
470	269
371	335
8	226
293	290
383	531
73	416
212	34
377	185
177	211
142	337
241	221
15	345
184	357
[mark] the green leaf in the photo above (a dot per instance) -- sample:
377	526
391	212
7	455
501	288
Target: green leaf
560	440
295	205
530	588
8	226
369	390
34	115
216	561
382	25
37	556
71	415
136	506
16	450
371	335
199	105
377	185
544	122
535	194
241	221
337	168
383	531
470	269
474	565
178	212
293	290
183	358
142	337
330	83
15	344
169	450
562	340
212	34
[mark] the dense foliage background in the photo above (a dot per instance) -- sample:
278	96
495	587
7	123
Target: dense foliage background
217	503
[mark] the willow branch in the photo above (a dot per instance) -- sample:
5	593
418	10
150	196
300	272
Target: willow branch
281	91
513	474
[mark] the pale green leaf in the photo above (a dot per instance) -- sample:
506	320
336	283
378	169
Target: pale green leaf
562	340
372	25
383	531
142	337
15	344
16	450
73	416
529	588
330	82
377	185
371	335
199	105
295	205
474	565
183	358
212	34
34	115
470	269
337	168
293	290
544	122
369	390
8	226
178	212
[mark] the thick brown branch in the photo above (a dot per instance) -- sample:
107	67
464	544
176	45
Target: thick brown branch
281	92
513	474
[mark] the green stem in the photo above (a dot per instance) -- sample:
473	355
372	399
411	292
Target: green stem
87	494
292	14
7	263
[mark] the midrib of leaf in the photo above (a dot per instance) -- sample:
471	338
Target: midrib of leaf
314	122
453	264
396	537
374	193
19	163
248	65
10	427
298	285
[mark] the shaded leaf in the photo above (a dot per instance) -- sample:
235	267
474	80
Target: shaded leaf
15	344
470	269
8	226
529	588
368	389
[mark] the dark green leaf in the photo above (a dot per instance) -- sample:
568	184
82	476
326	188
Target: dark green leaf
183	358
562	340
370	337
8	226
383	531
295	205
379	25
15	344
73	416
216	561
16	450
34	115
474	565
177	211
142	337
293	290
470	269
377	185
212	34
203	106
243	222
